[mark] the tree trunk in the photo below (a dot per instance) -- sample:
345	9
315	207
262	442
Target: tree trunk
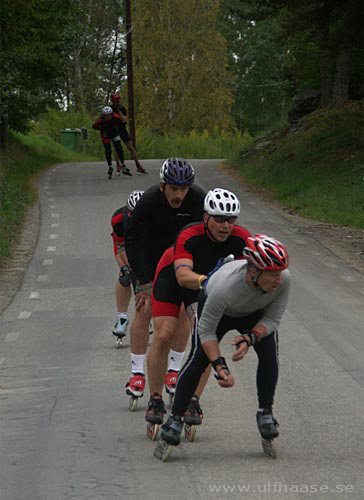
78	91
340	92
3	134
324	17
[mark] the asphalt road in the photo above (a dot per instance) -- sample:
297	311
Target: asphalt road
65	429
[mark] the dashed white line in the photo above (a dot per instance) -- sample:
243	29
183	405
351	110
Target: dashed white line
24	315
252	203
314	252
51	199
34	295
51	249
301	242
262	211
2	361
47	262
55	224
53	236
12	336
348	278
42	277
53	206
55	215
331	264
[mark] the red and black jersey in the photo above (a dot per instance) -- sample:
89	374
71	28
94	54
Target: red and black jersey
119	221
193	243
154	227
109	129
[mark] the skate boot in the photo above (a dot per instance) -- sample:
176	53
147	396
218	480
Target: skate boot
170	383
109	172
171	430
192	417
267	426
154	415
135	389
118	167
120	330
125	170
170	437
141	169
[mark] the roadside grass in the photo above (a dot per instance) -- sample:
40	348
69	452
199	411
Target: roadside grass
318	171
28	156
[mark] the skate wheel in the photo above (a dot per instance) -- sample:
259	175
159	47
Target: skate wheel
133	403
152	431
162	450
119	343
269	448
190	432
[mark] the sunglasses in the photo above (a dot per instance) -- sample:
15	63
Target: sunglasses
220	219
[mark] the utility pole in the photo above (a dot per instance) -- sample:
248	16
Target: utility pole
129	66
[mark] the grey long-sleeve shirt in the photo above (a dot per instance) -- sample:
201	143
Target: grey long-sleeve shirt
228	293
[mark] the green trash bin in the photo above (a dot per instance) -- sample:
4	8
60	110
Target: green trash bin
71	138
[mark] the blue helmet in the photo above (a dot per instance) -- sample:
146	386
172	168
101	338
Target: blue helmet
177	171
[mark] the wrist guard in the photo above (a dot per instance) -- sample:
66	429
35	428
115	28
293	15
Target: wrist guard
220	361
124	276
144	288
250	337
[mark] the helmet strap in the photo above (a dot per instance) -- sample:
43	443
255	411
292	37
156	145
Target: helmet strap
256	278
208	232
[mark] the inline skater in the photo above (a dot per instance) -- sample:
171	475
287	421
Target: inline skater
250	296
162	212
122	112
119	223
109	125
178	278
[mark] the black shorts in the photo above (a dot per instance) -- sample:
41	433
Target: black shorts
125	137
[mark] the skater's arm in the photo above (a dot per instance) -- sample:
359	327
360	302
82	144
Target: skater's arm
185	275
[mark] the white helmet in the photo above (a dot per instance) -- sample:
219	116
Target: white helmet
221	202
107	110
133	199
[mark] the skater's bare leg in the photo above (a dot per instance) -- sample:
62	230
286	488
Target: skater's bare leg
123	294
203	381
157	361
133	153
139	332
182	332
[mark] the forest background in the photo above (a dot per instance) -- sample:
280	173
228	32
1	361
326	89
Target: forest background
211	77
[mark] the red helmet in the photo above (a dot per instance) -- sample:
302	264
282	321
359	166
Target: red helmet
115	97
266	254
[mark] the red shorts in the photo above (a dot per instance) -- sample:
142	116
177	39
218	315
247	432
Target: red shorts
166	297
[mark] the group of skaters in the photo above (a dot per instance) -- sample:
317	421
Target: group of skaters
194	269
112	126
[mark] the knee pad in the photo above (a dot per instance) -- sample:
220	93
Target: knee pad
124	276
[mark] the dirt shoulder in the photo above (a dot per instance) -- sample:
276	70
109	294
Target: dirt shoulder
344	241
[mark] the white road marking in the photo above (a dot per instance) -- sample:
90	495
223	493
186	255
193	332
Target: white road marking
34	295
42	277
56	224
252	203
47	262
51	249
53	236
314	252
331	264
24	315
12	336
51	199
348	278
55	215
301	242
53	206
2	361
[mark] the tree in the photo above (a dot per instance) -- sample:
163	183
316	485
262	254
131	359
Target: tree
180	66
96	64
35	39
